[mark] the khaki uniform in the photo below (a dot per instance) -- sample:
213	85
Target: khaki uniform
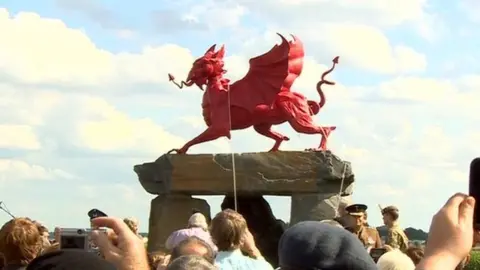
396	238
369	236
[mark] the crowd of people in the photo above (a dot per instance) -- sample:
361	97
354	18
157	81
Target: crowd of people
346	242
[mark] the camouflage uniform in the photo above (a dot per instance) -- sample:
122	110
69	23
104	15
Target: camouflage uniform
396	237
369	236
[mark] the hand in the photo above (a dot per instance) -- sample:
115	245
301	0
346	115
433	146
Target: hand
451	235
120	245
248	245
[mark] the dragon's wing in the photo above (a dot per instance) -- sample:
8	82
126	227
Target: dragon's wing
269	74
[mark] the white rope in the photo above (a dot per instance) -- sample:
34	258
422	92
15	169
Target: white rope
339	195
234	175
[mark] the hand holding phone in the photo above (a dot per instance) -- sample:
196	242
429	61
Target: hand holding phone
474	189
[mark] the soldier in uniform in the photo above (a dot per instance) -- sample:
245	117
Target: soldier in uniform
369	237
396	237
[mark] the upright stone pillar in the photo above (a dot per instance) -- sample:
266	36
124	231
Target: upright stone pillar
169	213
315	206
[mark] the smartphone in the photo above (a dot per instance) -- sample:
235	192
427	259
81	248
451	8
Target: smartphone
474	189
376	253
95	213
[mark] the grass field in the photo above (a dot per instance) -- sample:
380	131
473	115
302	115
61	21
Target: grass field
474	261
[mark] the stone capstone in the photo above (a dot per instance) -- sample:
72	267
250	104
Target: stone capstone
275	173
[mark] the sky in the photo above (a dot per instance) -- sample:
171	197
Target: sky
84	96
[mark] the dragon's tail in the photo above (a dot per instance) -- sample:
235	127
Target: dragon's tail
324	81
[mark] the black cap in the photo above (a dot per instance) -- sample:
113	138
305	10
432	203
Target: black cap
70	259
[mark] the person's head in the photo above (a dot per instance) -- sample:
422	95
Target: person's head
44	234
42	229
20	241
415	253
132	223
198	220
193	246
357	212
317	245
395	260
390	215
188	262
227	229
155	258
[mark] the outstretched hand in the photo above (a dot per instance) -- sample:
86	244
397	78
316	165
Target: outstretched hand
451	235
120	245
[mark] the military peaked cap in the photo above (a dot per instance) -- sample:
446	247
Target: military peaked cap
356	209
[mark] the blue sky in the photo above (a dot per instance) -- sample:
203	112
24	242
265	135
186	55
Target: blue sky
84	96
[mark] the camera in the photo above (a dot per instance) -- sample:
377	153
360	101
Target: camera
75	238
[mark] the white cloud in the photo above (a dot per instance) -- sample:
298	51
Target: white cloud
343	23
372	50
18	137
68	56
17	170
418	89
109	130
409	60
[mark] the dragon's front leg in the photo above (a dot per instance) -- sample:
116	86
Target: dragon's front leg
210	134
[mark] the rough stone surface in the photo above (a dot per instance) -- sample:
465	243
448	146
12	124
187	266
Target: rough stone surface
315	206
262	223
169	213
276	173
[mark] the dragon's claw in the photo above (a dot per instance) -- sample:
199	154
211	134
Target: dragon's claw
320	149
177	151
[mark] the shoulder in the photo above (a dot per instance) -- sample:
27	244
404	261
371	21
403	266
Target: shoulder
261	264
242	262
396	231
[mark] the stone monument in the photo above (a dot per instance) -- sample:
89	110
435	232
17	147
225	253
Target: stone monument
313	178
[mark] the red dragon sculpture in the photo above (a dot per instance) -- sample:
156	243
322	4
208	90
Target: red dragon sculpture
261	99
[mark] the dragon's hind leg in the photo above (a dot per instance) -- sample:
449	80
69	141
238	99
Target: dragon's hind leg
266	130
310	128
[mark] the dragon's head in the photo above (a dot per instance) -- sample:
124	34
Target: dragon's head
209	66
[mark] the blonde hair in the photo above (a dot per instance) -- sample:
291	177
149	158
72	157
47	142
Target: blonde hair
132	223
395	260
